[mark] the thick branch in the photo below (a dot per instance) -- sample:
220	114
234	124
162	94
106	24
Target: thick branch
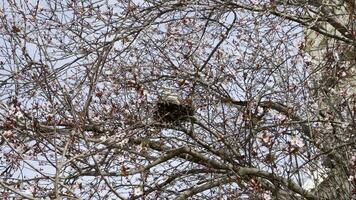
274	178
206	186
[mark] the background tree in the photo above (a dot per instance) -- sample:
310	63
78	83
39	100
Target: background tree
272	83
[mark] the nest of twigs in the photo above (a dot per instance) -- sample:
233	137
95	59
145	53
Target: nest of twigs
171	112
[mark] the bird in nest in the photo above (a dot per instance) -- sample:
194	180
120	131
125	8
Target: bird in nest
171	109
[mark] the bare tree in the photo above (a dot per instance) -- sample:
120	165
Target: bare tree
271	83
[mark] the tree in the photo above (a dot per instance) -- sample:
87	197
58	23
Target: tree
274	110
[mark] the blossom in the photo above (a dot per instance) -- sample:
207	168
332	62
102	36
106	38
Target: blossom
267	195
297	142
7	133
351	178
103	138
123	142
138	191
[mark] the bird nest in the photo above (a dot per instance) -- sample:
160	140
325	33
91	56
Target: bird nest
171	112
